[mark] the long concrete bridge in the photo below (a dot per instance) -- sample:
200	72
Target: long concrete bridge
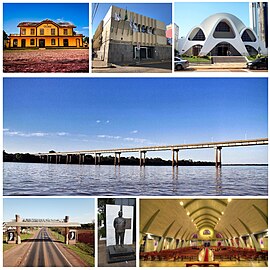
217	146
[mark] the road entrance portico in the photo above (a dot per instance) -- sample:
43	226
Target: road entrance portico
41	223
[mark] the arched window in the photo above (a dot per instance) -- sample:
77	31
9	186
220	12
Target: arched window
15	43
248	36
198	36
222	27
154	31
224	30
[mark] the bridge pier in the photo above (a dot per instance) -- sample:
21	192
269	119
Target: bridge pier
97	158
81	158
175	161
142	158
117	159
218	156
58	159
68	159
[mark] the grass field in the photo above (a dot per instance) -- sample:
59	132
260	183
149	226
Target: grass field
84	251
24	237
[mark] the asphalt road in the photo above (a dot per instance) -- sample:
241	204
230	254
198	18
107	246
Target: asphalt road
44	252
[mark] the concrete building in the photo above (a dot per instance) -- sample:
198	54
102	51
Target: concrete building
124	36
258	16
45	34
221	34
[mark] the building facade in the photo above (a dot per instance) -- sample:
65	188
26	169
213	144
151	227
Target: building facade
258	16
124	36
45	34
221	34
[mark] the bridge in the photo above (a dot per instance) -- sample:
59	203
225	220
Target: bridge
217	146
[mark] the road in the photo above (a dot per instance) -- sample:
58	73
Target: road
44	252
41	251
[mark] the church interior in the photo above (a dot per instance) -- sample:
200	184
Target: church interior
204	232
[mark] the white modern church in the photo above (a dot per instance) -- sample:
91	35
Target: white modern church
221	34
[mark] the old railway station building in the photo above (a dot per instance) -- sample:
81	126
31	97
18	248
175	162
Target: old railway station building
203	232
124	36
46	34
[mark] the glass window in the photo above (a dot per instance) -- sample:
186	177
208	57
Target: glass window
23	31
53	32
32	41
65	31
223	27
53	41
199	35
32	31
41	31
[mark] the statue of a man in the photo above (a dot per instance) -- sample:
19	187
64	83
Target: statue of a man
119	225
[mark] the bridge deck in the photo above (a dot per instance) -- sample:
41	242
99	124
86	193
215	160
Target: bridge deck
235	143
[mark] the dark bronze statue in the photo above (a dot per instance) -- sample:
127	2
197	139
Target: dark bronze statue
119	225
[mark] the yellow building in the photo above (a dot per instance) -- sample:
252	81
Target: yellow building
45	34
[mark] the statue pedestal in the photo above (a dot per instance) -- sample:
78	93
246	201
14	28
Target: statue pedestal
120	253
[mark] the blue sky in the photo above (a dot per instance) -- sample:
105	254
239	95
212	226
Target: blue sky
78	14
190	14
79	210
97	113
158	11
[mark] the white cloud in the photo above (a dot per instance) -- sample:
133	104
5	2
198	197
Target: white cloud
108	121
134	131
6	129
62	133
109	137
85	27
98	121
8	132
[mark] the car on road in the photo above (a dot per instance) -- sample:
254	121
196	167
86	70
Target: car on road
180	64
260	63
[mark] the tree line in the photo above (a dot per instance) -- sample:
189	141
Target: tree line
105	160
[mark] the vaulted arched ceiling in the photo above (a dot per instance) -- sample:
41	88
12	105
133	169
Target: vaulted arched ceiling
230	217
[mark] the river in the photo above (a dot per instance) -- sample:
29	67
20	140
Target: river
41	179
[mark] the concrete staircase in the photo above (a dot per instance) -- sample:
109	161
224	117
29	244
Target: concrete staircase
229	59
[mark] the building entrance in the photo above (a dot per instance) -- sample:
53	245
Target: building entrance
23	43
42	43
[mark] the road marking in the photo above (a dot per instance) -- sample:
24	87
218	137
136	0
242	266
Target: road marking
61	253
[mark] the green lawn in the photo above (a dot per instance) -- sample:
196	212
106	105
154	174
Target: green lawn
24	236
84	251
58	236
195	59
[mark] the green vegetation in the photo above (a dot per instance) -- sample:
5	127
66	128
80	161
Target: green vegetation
105	160
85	252
56	233
197	59
7	246
24	236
